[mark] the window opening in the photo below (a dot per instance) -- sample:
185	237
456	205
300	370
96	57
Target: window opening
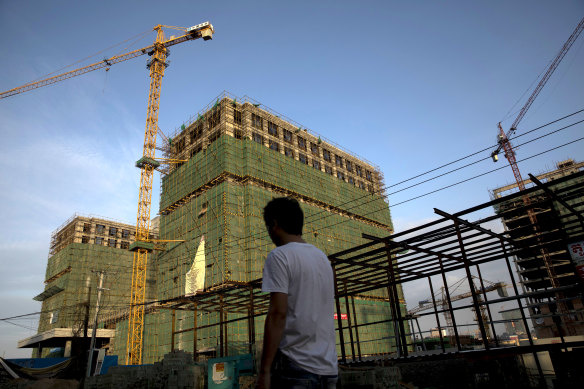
328	170
124	245
288	136
214	136
85	239
368	175
99	240
326	155
302	158
351	180
258	138
316	164
113	231
256	121
358	171
196	132
112	242
274	145
272	129
99	229
339	161
314	148
288	151
236	116
180	145
349	166
86	227
340	175
125	234
238	134
215	117
301	143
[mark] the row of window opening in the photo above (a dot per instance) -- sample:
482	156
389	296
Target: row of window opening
101	241
100	229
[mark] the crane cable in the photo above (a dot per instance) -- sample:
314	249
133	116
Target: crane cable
137	37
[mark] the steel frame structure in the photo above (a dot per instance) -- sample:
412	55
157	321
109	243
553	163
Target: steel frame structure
448	244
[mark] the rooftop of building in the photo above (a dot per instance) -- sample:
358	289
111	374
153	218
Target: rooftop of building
562	169
248	100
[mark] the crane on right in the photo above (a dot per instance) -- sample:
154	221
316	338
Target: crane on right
503	140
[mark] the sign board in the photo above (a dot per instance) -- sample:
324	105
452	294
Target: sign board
343	316
576	250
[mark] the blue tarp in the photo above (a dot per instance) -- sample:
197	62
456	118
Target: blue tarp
40	363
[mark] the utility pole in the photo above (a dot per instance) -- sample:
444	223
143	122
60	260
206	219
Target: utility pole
92	345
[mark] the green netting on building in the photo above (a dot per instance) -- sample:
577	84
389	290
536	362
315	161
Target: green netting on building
220	194
245	158
73	269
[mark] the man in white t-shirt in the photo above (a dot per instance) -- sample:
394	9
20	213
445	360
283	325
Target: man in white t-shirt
299	337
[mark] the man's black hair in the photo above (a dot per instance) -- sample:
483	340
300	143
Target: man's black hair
286	212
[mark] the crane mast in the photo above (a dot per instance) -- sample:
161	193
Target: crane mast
157	65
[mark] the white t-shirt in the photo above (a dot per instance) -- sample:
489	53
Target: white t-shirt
304	273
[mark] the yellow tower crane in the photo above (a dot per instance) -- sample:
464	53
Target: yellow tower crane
147	164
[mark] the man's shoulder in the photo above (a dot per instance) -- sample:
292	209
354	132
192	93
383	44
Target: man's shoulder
296	247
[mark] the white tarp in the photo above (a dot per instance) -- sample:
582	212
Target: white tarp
195	277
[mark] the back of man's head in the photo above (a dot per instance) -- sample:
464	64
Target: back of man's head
286	212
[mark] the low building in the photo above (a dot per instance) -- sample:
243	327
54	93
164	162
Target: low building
81	248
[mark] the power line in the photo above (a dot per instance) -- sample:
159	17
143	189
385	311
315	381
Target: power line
327	214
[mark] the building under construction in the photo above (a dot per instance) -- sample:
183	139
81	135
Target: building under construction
552	267
230	159
80	248
233	157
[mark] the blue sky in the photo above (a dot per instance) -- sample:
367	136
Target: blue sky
407	85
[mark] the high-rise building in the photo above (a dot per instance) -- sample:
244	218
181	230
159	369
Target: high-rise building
543	219
81	248
230	159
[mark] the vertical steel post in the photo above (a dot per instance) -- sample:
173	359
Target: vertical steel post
393	316
339	322
173	326
473	292
356	328
348	309
225	328
523	318
195	335
487	306
252	317
421	335
450	309
221	326
393	288
436	314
